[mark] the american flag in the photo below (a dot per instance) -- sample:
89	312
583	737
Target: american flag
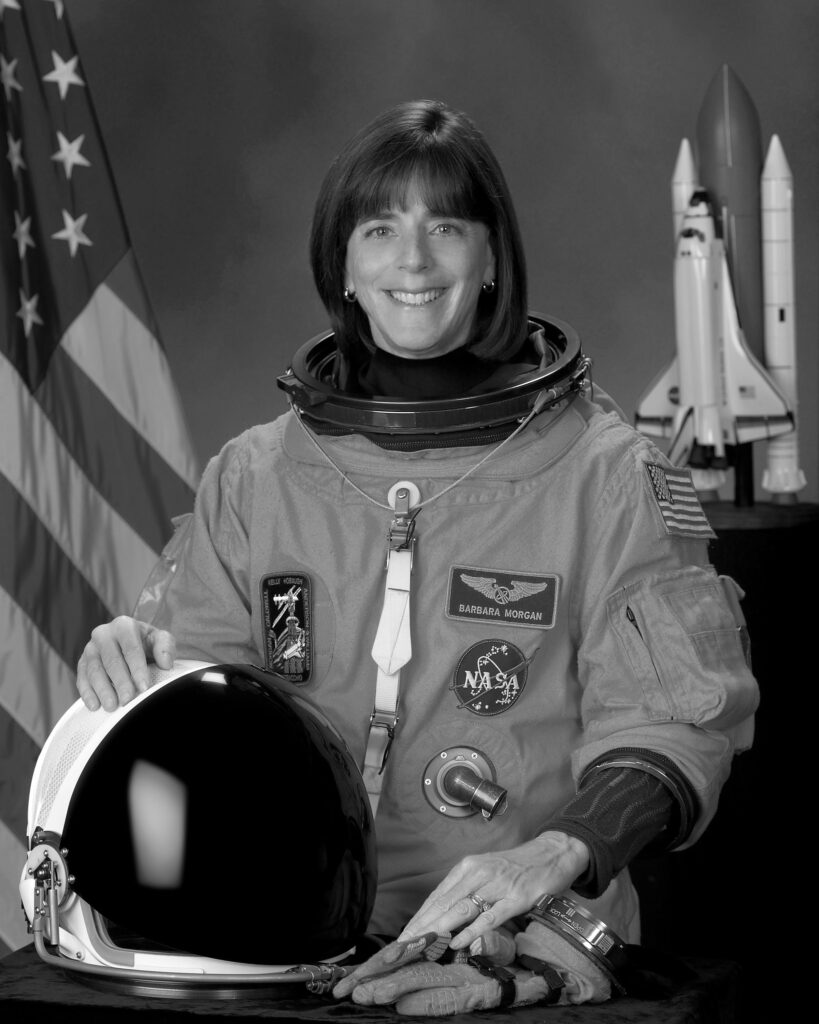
95	457
678	502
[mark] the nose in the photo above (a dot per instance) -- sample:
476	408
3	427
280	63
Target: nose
415	253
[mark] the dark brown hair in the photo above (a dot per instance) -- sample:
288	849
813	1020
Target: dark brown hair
424	144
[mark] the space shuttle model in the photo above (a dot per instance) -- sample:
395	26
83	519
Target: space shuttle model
733	379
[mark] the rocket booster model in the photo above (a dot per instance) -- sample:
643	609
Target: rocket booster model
782	475
717	392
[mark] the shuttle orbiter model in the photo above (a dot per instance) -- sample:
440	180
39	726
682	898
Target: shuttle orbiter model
733	379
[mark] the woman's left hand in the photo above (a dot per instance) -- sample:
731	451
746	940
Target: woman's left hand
508	883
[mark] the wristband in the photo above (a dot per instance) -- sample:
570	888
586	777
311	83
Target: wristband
587	933
506	979
662	768
554	981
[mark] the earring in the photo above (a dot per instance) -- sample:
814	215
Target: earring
488	287
349	296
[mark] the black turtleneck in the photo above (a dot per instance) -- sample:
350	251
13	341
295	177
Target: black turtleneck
454	373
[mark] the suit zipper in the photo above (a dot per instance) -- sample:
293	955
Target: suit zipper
632	618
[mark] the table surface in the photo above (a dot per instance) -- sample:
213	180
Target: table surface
31	990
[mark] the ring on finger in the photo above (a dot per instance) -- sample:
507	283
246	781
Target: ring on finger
482	905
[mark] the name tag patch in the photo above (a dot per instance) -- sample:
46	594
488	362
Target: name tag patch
511	598
287	611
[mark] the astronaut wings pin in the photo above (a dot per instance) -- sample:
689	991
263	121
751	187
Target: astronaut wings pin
489	587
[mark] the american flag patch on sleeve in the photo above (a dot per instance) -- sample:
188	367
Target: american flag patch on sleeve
677	501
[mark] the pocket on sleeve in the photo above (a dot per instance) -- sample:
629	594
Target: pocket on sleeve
685	648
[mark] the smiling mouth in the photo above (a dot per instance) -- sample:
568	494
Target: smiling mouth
417	298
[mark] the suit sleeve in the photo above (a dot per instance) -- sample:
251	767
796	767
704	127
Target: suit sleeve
204	599
661	657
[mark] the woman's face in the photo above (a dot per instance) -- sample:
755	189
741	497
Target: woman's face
418	278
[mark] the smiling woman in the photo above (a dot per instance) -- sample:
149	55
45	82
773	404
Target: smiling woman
416	201
521	651
418	277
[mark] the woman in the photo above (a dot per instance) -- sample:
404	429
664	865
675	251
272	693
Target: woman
548	616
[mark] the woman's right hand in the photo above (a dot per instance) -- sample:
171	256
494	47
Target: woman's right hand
113	668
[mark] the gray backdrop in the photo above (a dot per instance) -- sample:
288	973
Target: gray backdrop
221	117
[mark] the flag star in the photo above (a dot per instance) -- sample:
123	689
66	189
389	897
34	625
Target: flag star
22	234
14	154
73	232
12	5
28	312
58	8
7	76
69	155
64	74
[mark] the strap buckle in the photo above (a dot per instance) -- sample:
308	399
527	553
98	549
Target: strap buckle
505	978
401	532
553	979
380	742
402	529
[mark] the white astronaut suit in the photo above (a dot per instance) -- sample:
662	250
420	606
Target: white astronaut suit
562	609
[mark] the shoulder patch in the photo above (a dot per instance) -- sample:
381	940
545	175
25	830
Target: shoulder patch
287	624
677	501
502	598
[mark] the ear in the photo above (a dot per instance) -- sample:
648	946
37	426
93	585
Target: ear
490	273
348	277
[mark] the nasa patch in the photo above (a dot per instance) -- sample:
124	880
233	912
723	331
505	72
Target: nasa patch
503	598
490	677
287	621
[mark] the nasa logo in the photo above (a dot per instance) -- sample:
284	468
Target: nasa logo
490	677
287	614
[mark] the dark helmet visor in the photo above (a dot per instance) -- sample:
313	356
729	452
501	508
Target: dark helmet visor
225	817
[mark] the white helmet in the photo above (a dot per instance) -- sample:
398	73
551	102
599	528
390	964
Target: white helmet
214	832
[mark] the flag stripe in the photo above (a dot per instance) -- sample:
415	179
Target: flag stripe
37	685
125	280
95	458
119	354
704	529
66	607
113	558
18	755
12	859
118	461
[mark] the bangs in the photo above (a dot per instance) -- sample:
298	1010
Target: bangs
438	178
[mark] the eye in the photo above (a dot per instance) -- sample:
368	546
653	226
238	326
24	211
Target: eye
446	229
378	231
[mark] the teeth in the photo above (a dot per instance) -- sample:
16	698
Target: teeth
417	298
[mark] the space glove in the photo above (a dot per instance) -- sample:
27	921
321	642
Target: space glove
500	970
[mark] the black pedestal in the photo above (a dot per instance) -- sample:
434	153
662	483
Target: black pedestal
745	890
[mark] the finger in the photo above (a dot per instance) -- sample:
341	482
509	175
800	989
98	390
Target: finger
444	1002
384	961
109	640
463	912
442	911
93	679
501	912
162	647
439	901
133	642
385	990
498	946
86	691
